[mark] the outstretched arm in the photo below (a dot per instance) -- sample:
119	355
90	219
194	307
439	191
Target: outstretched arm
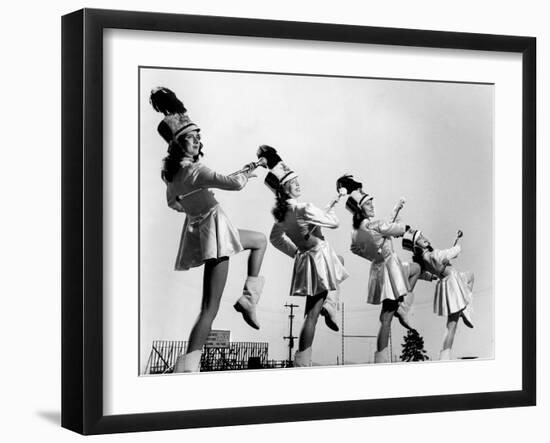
446	255
312	214
388	229
207	178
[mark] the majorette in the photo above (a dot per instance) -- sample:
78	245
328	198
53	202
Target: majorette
391	281
208	238
453	290
317	271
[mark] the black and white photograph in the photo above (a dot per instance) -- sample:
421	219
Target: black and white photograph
289	221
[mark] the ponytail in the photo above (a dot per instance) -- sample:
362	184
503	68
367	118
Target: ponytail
281	205
358	217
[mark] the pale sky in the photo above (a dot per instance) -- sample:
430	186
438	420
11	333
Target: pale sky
429	142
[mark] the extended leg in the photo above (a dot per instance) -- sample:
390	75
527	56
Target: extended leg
313	309
215	276
452	323
388	311
405	306
331	305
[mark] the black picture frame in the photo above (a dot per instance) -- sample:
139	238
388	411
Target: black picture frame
82	218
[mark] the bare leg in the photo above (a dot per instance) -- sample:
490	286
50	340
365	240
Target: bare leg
215	276
256	243
388	310
331	305
313	309
405	305
452	323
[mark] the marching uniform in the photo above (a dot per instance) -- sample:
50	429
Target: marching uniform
453	290
317	268
316	265
388	277
207	232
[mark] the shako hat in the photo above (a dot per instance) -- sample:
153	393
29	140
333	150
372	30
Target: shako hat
356	199
279	172
178	125
411	238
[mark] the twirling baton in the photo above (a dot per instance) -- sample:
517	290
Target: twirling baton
401	203
459	234
341	193
254	165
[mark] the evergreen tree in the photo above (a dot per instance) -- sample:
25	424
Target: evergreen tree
413	347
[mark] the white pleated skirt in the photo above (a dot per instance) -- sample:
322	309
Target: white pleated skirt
210	235
316	270
388	280
453	293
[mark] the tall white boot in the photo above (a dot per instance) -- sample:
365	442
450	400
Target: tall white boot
329	311
382	356
189	362
246	304
466	316
404	310
303	358
445	354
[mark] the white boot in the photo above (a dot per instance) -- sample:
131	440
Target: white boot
329	312
382	356
303	358
404	309
466	316
445	354
189	362
246	304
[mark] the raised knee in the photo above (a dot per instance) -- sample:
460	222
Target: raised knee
415	269
262	240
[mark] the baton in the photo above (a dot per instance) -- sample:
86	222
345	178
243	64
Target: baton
459	234
402	201
254	165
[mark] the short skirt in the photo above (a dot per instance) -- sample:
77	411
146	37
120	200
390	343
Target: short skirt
316	270
210	235
453	293
388	279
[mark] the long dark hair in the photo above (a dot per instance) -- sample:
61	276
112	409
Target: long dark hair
357	218
281	205
417	258
171	164
165	101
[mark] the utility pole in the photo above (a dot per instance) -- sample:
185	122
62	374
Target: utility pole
290	337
